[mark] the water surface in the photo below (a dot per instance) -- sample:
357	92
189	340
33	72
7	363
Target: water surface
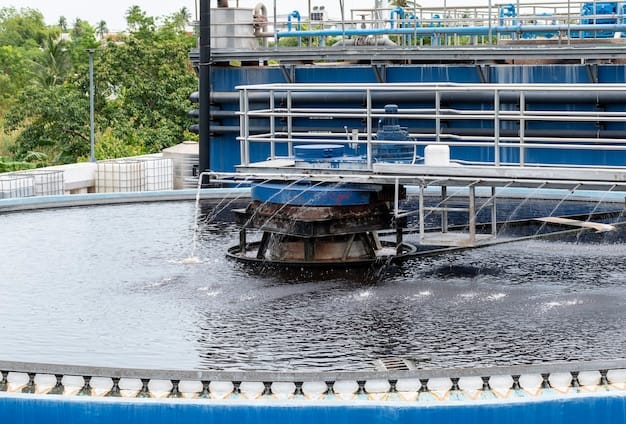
109	286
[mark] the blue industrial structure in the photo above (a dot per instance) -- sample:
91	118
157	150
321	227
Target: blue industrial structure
225	102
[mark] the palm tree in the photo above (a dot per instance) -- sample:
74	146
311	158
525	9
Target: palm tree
136	19
63	23
182	18
101	29
54	64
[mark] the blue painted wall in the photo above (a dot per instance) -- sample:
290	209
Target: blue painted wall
51	409
225	149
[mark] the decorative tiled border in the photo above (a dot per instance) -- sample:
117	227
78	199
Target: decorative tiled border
504	383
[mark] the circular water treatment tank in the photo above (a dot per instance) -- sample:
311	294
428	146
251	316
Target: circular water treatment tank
532	301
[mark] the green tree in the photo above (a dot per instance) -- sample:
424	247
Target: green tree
23	28
143	81
54	64
13	74
63	24
139	22
179	20
53	120
83	38
101	29
151	102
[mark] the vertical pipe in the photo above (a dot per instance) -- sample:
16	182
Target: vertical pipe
489	22
522	128
444	209
396	213
289	125
369	128
494	216
92	136
310	24
244	127
242	241
272	126
496	127
204	148
421	211
396	200
472	214
437	116
275	28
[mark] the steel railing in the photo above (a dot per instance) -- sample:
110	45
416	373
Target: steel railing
495	117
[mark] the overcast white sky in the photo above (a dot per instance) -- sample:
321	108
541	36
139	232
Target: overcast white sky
113	11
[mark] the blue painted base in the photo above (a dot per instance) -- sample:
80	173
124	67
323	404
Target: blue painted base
312	195
51	409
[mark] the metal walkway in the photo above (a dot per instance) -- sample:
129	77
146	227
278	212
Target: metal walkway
579	31
510	149
554	52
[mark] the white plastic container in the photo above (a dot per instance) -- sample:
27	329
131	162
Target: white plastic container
437	155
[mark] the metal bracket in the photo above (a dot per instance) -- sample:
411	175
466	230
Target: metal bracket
592	72
380	71
289	75
483	73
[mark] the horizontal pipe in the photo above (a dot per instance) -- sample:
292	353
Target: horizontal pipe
464	132
338	98
477	30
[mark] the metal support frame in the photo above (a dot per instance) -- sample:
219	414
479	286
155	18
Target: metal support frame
444	207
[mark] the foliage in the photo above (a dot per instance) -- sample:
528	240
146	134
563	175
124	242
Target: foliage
109	146
306	41
101	29
142	83
7	165
13	74
24	28
54	64
58	122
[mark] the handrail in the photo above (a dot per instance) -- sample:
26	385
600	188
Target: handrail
570	378
501	113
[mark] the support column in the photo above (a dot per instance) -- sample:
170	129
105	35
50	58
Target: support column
204	147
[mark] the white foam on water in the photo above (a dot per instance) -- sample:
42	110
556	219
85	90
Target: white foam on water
160	283
246	297
208	293
191	260
557	304
364	294
496	296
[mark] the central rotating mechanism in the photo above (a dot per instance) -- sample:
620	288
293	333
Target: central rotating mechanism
319	223
308	224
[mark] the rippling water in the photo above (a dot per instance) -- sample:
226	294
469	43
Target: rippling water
110	286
